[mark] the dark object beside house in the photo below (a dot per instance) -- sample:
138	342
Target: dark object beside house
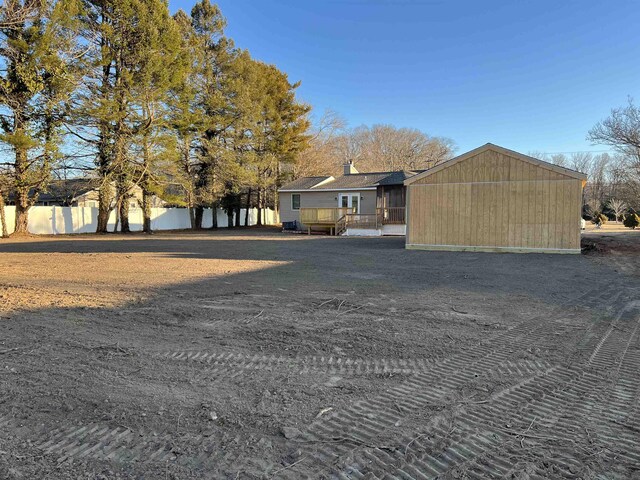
288	226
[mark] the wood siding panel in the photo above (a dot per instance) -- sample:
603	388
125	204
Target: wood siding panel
534	210
493	199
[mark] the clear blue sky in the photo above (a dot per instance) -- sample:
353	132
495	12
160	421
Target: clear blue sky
528	75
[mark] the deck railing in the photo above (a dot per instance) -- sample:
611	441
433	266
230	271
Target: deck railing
322	216
362	220
383	216
339	219
392	215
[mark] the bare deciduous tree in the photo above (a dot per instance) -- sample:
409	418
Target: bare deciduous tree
319	158
376	148
621	130
618	207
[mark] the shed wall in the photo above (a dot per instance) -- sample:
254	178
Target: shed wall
495	202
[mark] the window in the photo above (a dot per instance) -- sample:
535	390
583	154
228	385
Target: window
295	201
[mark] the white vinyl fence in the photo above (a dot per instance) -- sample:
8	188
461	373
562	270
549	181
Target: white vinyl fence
60	220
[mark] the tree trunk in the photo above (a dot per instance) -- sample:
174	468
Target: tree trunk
188	185
22	193
199	213
246	213
124	213
259	204
230	207
117	207
237	209
192	217
146	211
104	207
3	218
146	187
214	217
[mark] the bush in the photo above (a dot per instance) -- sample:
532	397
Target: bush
587	212
599	219
631	221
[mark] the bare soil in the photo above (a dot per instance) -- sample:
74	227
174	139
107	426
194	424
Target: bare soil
250	354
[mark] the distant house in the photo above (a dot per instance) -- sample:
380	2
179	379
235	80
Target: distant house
353	204
83	192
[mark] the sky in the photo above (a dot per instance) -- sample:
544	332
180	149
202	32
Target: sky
527	75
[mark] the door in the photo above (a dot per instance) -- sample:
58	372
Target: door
349	200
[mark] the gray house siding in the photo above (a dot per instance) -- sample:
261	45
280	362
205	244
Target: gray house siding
323	199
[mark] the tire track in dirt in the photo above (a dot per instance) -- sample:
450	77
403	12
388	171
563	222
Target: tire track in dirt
118	444
369	419
303	364
123	445
553	399
608	410
336	364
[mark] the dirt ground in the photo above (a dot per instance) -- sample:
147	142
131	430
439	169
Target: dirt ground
251	354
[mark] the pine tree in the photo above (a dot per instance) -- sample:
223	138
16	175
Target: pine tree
126	64
185	117
631	221
279	132
215	72
159	70
37	78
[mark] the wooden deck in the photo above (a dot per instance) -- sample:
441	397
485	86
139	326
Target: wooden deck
337	220
322	216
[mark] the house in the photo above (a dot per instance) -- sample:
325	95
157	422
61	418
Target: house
495	199
83	192
353	204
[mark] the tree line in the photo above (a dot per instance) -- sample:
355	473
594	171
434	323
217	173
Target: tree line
613	185
379	148
136	96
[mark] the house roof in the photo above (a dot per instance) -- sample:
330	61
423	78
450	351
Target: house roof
398	178
353	181
305	183
69	188
63	190
496	148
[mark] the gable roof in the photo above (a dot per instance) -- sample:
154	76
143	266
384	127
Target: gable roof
496	148
353	181
64	190
305	183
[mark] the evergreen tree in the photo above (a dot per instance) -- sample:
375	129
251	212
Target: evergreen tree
279	132
127	60
38	66
185	117
159	70
216	70
631	221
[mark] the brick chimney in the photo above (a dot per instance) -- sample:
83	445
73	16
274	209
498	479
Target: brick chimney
349	168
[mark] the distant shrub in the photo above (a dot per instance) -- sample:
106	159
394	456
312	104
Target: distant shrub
631	221
599	219
587	212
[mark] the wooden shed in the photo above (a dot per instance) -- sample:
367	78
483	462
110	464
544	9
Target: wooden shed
494	199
